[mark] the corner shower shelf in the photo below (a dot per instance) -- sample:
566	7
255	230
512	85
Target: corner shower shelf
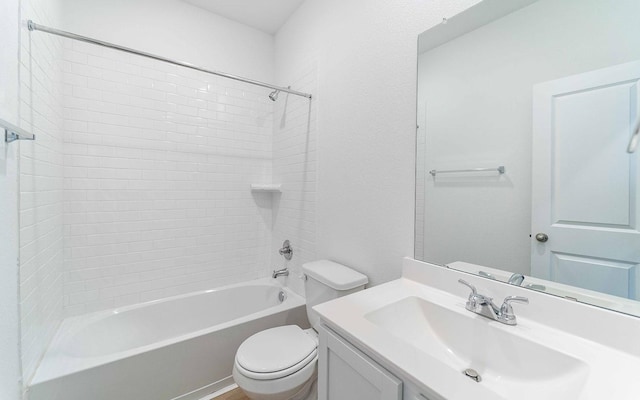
266	187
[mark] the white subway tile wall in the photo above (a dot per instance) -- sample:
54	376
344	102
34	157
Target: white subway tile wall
295	166
41	187
158	165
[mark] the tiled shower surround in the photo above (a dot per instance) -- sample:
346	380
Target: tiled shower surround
158	164
295	165
41	188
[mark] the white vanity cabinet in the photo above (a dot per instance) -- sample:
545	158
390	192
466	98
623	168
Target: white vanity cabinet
345	373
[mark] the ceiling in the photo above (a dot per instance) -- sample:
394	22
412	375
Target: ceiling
265	15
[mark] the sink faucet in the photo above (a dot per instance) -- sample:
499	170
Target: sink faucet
483	305
280	272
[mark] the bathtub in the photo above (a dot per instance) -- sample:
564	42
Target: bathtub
179	348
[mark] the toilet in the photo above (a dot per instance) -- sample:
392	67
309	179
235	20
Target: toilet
281	363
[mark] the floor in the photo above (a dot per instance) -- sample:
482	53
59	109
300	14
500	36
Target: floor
235	394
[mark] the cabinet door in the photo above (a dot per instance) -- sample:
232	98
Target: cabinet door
411	392
346	374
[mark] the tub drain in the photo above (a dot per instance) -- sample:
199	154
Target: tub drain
282	296
473	374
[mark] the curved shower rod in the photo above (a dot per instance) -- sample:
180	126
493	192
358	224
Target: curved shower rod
37	27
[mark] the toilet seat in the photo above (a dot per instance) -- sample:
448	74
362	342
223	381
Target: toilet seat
262	376
275	353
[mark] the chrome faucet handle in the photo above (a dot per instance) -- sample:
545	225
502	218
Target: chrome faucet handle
506	311
486	275
474	292
472	300
516	279
520	299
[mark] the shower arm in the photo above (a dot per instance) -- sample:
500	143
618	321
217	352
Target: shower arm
37	27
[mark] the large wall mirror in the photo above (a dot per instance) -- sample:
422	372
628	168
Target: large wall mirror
525	113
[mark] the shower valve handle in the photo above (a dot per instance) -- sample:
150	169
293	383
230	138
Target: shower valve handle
286	251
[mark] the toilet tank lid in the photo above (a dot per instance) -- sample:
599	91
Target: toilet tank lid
334	275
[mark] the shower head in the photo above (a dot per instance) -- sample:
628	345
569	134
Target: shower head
274	95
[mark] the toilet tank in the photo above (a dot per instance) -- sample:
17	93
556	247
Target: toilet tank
327	280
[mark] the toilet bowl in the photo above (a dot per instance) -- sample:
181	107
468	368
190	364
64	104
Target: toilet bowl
278	364
281	363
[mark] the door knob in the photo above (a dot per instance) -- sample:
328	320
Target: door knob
542	237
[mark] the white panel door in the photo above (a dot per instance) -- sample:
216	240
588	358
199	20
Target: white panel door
585	185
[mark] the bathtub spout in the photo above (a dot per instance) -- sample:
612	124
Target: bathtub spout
280	272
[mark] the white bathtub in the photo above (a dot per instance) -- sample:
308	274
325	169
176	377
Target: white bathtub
176	348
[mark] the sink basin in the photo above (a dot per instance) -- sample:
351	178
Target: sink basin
508	363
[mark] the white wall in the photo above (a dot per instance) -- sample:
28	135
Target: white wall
10	374
174	29
487	76
365	52
41	249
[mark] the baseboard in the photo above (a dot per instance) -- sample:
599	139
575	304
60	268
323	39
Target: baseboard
220	392
209	391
